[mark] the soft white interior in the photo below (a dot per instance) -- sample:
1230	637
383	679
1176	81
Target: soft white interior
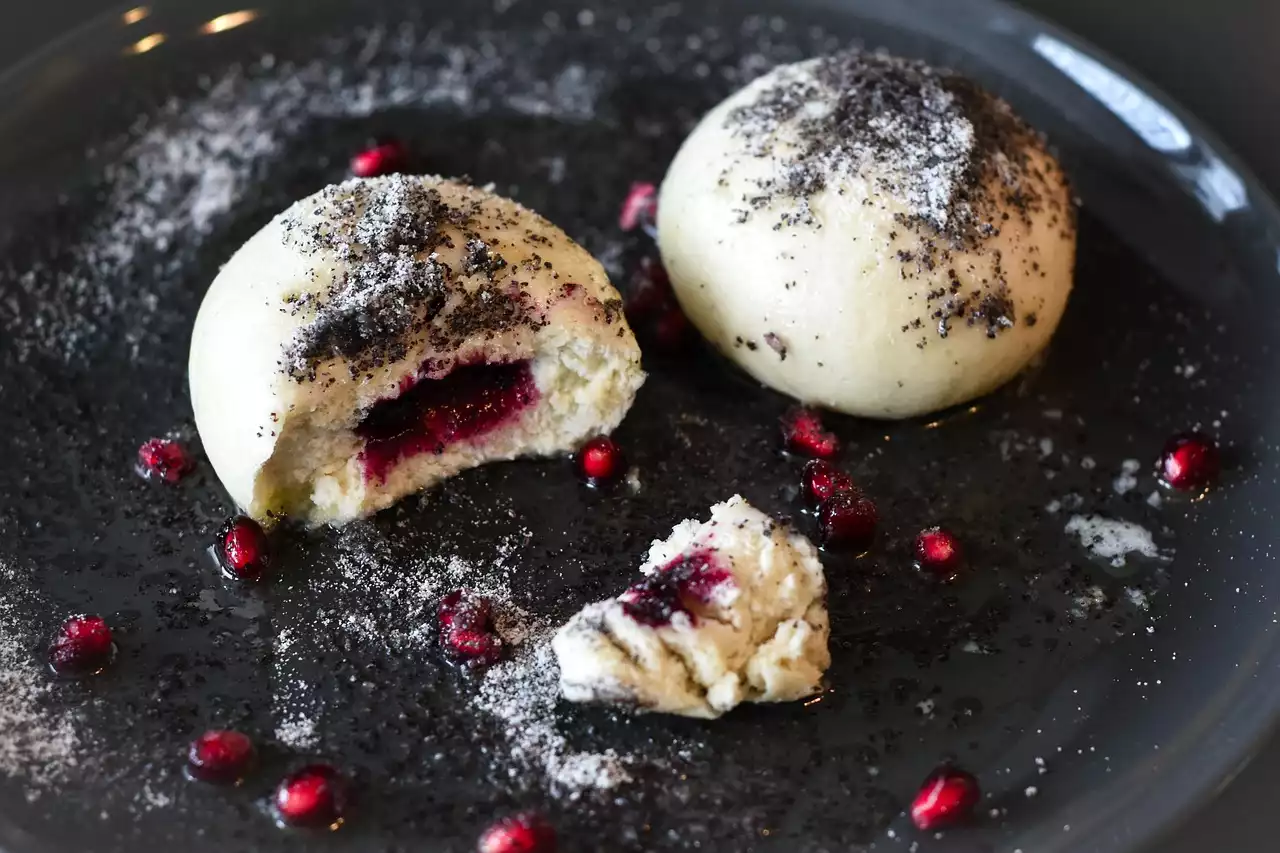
762	638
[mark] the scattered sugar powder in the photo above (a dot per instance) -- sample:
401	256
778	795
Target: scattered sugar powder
1112	539
175	175
38	745
1127	481
522	693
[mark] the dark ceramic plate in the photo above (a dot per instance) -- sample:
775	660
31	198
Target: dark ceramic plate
1095	702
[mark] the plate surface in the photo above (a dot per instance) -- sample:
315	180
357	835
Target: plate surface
1094	702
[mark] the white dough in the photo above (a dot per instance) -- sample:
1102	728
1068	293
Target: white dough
754	630
369	287
869	235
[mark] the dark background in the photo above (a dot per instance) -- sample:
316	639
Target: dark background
1218	58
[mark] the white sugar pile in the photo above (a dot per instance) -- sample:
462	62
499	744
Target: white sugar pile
37	744
1112	539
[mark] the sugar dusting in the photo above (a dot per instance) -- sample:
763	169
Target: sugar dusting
39	744
191	162
1112	539
520	693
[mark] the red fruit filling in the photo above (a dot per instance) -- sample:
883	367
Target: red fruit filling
639	208
432	414
820	480
164	459
385	158
314	796
522	833
650	292
671	331
243	549
82	646
1189	461
938	551
803	433
682	584
601	460
220	756
946	798
847	522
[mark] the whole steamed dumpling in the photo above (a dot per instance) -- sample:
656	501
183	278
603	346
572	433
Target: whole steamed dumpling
869	234
384	334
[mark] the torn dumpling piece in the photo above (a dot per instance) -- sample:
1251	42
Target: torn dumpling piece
729	611
384	334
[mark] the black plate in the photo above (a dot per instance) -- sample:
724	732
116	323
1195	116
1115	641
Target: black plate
1095	705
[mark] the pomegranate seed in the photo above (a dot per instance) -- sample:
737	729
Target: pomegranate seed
384	158
243	549
820	480
639	208
314	796
938	551
220	756
1189	461
472	648
946	798
522	833
802	433
847	522
163	459
671	331
463	610
82	646
601	460
650	291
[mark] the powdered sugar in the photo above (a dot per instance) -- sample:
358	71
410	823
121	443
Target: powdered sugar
188	165
41	745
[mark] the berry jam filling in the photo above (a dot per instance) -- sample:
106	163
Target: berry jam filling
946	798
165	460
683	583
522	833
220	756
469	402
82	646
314	796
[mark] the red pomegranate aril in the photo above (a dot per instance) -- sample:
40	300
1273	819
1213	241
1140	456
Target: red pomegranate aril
163	459
521	833
650	291
938	551
847	522
671	331
463	610
314	796
1190	461
946	798
221	756
639	208
243	548
472	648
601	460
82	646
803	433
383	158
821	480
